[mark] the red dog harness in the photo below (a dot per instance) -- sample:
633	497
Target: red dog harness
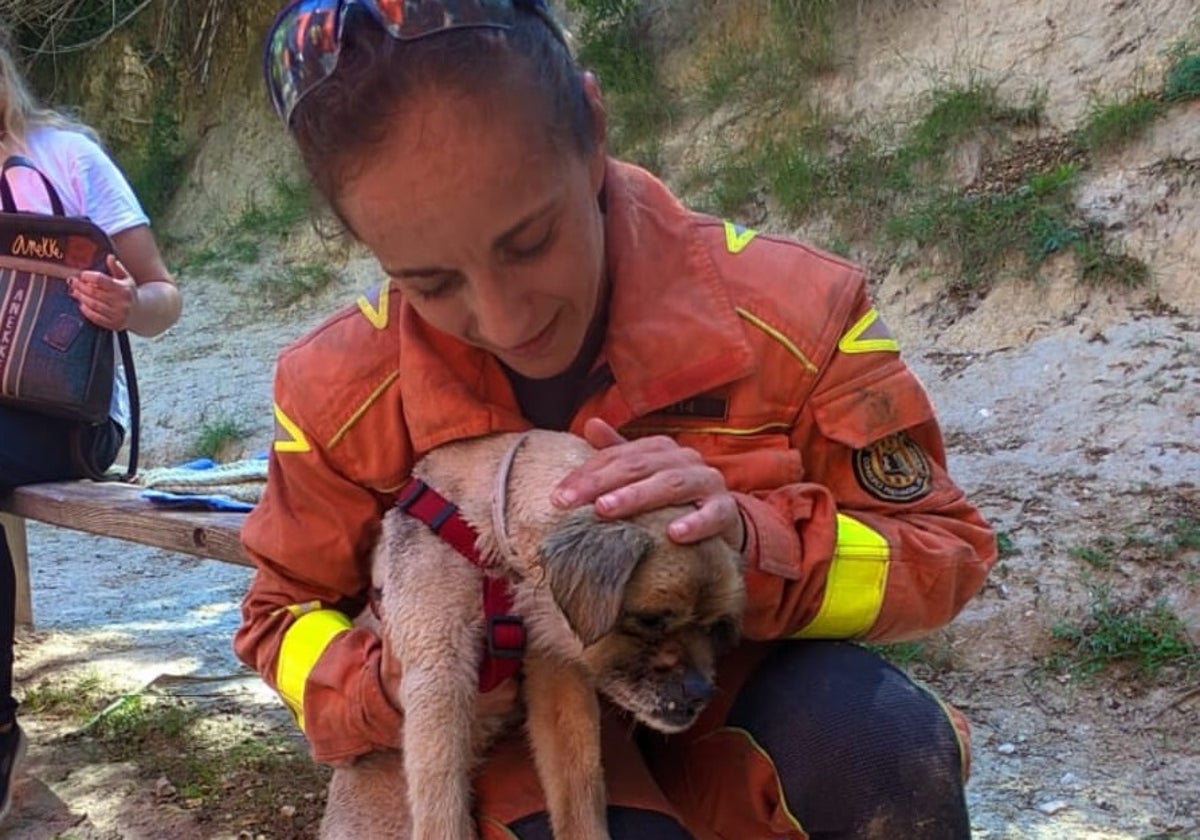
504	641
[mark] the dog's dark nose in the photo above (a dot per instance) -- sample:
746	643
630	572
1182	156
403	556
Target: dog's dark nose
697	689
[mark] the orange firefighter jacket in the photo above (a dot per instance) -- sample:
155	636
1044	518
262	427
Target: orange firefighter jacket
764	355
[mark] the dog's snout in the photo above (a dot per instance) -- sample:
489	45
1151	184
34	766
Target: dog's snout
697	689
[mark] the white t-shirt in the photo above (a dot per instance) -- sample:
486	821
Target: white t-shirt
89	184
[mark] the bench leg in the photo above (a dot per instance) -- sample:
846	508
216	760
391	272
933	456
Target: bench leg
14	528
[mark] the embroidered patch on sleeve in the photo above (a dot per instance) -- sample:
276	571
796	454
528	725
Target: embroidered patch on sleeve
894	469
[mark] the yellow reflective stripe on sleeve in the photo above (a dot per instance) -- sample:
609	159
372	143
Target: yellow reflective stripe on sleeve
855	584
303	644
860	340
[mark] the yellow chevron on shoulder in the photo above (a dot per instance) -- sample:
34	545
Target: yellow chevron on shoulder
288	437
738	237
377	311
869	335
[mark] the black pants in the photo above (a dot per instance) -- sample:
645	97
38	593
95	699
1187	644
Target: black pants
857	746
33	449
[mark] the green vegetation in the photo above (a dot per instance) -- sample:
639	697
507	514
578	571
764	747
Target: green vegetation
156	169
208	765
240	245
1171	545
1100	555
980	232
289	203
216	436
1147	639
806	28
221	768
1110	125
65	26
1183	76
75	700
1005	546
288	284
615	44
888	190
136	718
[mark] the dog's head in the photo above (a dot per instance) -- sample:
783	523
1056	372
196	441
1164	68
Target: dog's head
653	615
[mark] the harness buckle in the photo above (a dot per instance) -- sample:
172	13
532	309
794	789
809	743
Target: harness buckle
505	637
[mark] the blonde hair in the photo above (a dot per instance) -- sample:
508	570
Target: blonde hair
20	111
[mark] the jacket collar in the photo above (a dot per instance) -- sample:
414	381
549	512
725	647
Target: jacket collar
672	330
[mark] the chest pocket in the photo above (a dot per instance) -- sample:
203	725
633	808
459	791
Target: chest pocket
759	461
868	410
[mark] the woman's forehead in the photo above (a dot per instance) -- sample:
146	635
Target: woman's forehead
454	167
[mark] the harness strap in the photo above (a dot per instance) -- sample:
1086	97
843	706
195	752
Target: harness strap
504	639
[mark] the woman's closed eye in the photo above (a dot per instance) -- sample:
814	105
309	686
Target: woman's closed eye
433	287
529	245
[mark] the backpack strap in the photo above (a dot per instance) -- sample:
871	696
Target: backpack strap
8	203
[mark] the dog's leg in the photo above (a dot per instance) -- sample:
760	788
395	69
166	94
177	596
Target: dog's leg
438	696
564	731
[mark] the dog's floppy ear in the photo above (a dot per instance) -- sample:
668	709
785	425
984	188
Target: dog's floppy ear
588	562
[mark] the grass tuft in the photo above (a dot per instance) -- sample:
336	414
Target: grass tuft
218	435
1146	639
1183	76
1113	124
76	699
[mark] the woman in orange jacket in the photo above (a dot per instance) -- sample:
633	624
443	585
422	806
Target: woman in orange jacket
534	281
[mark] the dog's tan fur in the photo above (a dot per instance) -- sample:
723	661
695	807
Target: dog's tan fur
608	605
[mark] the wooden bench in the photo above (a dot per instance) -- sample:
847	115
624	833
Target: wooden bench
112	509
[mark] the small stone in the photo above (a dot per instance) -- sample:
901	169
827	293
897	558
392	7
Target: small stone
1069	780
287	811
1053	807
1006	749
163	788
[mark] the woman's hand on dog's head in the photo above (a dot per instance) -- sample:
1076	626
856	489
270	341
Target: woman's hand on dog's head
628	477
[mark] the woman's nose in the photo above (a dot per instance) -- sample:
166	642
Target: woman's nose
502	314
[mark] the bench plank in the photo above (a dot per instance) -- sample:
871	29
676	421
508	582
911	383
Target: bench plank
112	509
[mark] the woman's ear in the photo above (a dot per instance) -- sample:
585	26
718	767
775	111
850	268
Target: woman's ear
595	101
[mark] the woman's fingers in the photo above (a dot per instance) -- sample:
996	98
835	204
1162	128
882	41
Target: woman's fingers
620	464
626	478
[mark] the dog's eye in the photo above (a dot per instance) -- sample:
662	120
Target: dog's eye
724	634
648	624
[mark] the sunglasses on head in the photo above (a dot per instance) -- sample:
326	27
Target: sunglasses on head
303	43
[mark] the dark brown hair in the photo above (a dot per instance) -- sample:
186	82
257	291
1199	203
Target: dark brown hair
347	117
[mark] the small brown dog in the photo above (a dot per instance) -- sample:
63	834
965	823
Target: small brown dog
613	606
